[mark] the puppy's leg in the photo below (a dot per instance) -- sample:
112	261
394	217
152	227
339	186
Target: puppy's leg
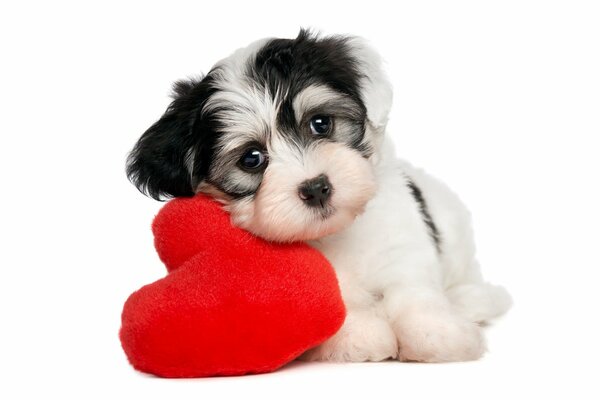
479	302
428	327
364	337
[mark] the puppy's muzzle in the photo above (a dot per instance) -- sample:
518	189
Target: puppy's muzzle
315	192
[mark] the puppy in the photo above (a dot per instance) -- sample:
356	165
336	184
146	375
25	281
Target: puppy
289	134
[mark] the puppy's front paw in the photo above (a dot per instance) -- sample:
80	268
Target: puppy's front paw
434	337
363	337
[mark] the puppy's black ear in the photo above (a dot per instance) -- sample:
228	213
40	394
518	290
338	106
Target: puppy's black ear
163	162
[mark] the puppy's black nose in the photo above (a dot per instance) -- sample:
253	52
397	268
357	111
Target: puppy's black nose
315	192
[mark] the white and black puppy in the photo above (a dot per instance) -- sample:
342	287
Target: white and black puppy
289	135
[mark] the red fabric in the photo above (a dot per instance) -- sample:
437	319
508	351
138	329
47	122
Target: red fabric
232	303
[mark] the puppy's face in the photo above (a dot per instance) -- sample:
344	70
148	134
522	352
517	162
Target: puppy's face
283	132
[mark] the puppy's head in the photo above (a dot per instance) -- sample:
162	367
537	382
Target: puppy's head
283	132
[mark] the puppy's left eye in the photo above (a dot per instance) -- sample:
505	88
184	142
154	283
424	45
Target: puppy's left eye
320	125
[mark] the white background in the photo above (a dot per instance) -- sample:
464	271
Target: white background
499	99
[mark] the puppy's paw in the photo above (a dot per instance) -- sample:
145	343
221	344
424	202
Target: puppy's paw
363	337
434	337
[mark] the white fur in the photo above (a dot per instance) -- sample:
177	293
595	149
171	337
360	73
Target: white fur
376	89
314	96
256	107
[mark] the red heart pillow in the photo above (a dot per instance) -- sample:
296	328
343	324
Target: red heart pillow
232	303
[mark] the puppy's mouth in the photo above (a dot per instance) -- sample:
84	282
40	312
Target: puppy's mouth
325	211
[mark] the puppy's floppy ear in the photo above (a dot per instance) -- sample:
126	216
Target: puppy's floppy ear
164	161
376	90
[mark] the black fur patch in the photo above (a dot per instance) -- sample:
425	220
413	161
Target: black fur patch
423	209
157	163
287	66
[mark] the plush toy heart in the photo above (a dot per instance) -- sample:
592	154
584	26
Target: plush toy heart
232	303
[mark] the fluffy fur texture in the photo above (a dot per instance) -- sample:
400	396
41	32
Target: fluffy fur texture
281	112
232	303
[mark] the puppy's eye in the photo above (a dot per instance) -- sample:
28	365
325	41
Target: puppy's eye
320	125
252	159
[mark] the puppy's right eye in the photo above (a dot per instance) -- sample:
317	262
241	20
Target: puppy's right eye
252	159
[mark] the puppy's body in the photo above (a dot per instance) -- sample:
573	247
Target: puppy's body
289	135
406	297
